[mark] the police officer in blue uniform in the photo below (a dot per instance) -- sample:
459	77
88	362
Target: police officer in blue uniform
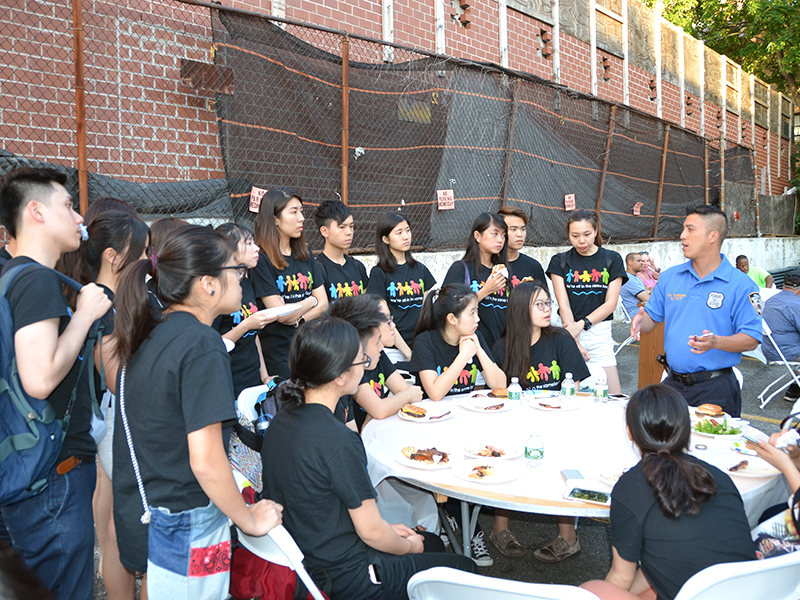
711	314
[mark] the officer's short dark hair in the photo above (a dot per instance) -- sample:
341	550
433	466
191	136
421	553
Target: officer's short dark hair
714	218
792	279
20	186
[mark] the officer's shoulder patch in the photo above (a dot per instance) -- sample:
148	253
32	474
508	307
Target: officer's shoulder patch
755	300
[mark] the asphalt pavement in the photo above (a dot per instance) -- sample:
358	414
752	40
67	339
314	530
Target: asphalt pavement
593	561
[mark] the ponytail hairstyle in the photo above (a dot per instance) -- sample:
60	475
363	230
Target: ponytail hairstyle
386	223
320	352
472	256
268	237
591	217
124	233
519	328
453	298
190	253
660	427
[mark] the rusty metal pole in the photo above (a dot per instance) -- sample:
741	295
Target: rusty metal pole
345	113
705	151
510	142
661	181
611	122
80	106
755	193
722	172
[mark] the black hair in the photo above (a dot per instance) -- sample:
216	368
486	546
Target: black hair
161	230
792	279
321	351
629	257
658	420
330	211
267	235
518	329
386	223
741	257
190	253
17	580
576	216
453	298
236	233
114	229
714	218
20	186
363	312
472	255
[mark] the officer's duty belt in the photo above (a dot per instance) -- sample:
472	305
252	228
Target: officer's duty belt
699	377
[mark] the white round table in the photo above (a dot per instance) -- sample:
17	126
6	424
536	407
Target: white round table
591	439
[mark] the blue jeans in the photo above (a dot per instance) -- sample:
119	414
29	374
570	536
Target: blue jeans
54	532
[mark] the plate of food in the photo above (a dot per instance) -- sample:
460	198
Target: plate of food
502	451
423	412
488	471
427	459
611	477
482	403
554	403
752	466
714	428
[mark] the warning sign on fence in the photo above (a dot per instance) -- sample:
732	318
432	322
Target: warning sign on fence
569	202
446	199
637	208
256	194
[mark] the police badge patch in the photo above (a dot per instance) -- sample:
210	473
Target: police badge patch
715	300
755	300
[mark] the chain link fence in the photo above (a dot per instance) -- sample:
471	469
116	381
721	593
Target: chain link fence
189	107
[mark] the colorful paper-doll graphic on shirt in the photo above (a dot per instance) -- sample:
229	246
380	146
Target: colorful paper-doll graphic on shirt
240	315
406	294
498	299
346	289
294	287
466	379
545	377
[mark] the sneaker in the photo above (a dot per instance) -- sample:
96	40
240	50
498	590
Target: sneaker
507	544
444	537
479	552
557	550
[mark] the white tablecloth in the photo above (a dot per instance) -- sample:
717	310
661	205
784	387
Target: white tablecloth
591	439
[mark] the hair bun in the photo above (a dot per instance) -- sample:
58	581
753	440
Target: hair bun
291	392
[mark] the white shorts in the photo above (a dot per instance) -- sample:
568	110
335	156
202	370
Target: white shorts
599	344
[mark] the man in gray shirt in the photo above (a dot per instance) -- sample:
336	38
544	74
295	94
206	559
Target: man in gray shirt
782	314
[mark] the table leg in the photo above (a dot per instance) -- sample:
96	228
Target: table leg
451	535
466	530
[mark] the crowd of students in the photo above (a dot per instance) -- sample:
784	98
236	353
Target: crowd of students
169	295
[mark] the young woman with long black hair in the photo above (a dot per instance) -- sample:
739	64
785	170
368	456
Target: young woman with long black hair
672	515
587	280
286	273
320	476
399	279
174	391
486	248
539	355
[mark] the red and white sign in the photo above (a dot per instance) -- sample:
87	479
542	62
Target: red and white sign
637	208
256	194
446	199
569	202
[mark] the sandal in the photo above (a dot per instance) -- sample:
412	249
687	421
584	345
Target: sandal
507	543
557	550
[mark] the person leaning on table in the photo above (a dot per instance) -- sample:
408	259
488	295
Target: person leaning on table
672	515
710	313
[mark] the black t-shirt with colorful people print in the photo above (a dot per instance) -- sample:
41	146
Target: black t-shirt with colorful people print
376	379
587	277
403	291
294	284
432	353
552	357
245	364
339	281
525	266
492	309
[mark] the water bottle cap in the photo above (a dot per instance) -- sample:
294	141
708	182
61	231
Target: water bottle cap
569	375
515	380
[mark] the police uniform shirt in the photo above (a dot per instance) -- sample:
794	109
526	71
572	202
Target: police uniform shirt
724	302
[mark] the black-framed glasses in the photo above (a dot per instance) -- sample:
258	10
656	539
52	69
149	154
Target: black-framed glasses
543	305
365	360
241	270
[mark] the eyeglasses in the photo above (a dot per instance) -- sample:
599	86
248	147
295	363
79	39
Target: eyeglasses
390	320
543	305
366	360
241	270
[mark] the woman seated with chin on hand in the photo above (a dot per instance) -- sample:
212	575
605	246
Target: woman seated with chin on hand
672	515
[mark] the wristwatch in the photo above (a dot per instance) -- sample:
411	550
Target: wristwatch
587	324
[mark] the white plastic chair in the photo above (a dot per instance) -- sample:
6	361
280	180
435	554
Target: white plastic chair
773	578
279	547
443	583
246	402
627	320
789	364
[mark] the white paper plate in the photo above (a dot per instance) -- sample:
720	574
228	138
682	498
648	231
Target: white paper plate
530	394
480	404
510	451
756	468
503	471
435	413
415	464
611	477
732	436
279	311
566	405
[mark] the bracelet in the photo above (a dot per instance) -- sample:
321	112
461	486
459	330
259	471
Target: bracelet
316	302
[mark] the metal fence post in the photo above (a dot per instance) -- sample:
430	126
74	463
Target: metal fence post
345	112
611	122
661	181
80	106
705	153
722	172
509	142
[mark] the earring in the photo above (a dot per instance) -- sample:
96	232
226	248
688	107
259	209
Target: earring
213	292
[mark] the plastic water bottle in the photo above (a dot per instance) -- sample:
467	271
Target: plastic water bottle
263	419
568	385
515	389
534	451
